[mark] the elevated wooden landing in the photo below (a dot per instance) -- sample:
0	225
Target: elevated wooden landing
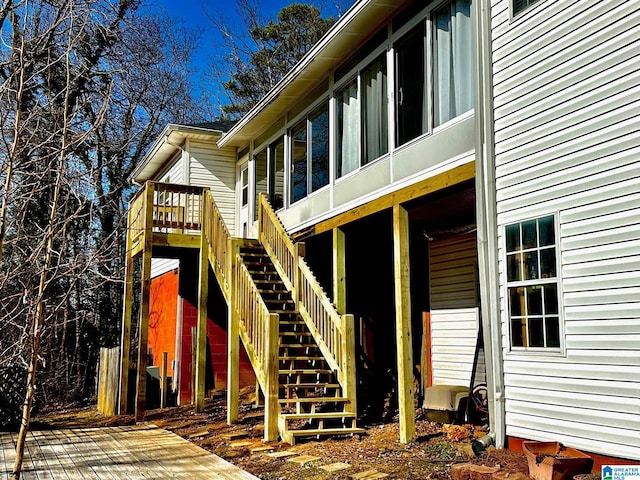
133	452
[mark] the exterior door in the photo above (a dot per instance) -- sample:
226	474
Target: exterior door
243	200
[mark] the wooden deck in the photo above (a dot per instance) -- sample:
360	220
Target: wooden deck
132	452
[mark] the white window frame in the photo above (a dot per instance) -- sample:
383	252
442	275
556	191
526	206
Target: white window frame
524	283
322	102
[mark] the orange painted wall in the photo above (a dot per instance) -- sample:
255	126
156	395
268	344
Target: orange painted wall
162	337
217	337
162	317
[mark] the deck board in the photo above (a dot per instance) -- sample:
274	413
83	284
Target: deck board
129	453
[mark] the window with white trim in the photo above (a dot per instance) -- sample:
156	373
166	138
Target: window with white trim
520	5
532	284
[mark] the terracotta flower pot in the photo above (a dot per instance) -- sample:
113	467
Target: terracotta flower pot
554	461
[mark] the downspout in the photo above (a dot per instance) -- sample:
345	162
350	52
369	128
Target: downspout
486	210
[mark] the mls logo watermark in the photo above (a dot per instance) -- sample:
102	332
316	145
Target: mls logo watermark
621	472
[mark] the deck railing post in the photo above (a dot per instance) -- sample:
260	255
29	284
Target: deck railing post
144	303
271	370
203	295
126	320
233	337
348	354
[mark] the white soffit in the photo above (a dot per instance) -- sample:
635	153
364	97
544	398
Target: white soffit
362	20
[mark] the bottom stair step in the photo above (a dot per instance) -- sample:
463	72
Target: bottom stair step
320	415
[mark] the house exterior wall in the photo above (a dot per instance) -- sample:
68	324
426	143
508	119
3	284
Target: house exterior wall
215	168
162	318
567	114
173	173
217	339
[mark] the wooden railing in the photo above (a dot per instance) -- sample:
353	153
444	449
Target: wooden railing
259	331
175	209
334	333
218	240
275	240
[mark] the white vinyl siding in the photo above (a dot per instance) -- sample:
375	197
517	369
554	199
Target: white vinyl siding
160	266
453	265
215	168
174	173
454	312
454	334
567	117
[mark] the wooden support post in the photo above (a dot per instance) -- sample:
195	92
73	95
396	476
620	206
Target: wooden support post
194	360
233	339
145	297
163	380
403	323
271	409
348	346
126	322
339	271
201	343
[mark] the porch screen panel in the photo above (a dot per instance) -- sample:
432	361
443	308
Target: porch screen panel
348	154
374	110
453	61
319	121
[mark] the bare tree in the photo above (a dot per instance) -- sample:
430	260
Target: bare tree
52	64
85	86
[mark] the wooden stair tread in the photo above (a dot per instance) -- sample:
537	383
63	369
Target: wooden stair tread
299	357
309	385
313	400
303	371
321	415
326	431
299	345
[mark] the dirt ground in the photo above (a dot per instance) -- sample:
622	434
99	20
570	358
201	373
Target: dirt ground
431	456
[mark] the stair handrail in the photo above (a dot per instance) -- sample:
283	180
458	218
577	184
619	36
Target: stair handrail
259	331
333	332
279	245
218	239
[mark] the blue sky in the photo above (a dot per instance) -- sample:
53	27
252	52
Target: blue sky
194	13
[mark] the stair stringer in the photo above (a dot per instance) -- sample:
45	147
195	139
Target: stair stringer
277	296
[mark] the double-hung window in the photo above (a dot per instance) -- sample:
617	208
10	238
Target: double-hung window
520	5
532	284
362	121
310	153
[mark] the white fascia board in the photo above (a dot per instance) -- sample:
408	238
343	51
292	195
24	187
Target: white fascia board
331	38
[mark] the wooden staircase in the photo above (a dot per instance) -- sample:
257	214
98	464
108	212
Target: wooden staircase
310	397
